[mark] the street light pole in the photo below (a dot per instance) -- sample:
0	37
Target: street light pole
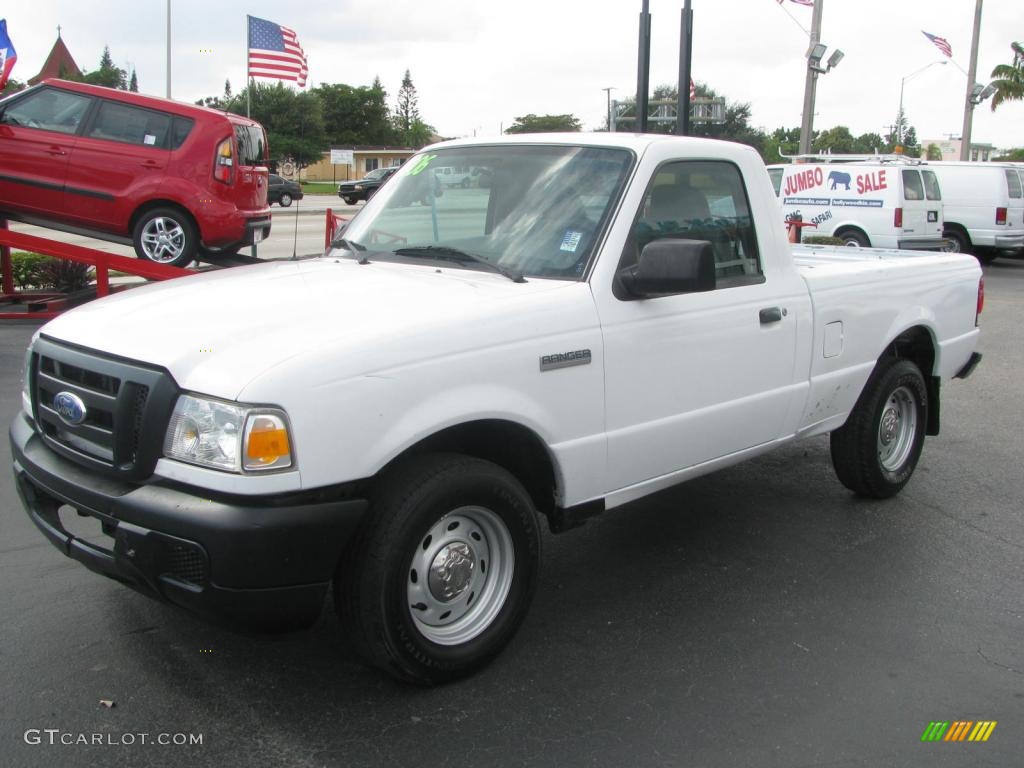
608	93
899	114
972	71
811	83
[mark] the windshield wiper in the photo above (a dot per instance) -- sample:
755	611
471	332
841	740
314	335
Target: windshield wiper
447	253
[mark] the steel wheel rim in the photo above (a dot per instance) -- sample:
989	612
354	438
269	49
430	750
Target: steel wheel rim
460	575
163	239
286	200
897	429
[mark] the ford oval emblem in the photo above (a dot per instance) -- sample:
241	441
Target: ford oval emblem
69	407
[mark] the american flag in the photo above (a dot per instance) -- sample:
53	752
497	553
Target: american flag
274	51
8	56
808	3
941	43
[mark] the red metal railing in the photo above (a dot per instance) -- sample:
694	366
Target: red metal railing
102	261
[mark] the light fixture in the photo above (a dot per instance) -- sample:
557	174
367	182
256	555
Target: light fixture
817	52
981	92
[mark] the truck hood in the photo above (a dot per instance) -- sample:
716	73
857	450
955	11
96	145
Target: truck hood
218	331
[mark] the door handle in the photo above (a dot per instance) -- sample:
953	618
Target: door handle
150	164
56	151
770	315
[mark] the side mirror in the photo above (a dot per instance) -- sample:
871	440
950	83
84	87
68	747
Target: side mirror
670	266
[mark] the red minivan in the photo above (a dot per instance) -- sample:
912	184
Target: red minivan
174	180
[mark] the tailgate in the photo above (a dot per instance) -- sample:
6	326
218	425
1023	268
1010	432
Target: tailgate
251	178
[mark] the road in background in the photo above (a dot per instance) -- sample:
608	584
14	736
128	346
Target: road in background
761	616
309	214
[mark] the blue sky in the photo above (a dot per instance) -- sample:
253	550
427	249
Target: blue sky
477	65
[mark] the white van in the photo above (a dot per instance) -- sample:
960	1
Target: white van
984	207
878	201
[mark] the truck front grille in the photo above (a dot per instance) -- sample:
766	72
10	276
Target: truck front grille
119	409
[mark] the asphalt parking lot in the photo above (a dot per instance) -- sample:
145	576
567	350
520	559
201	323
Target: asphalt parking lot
761	616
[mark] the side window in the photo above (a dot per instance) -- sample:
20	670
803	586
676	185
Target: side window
131	125
1013	183
180	130
912	187
48	109
701	200
931	185
371	164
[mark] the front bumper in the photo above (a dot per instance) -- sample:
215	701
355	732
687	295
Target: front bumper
256	563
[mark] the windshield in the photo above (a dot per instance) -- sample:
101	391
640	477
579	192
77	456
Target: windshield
532	210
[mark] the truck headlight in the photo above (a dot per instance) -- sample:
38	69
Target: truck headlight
227	436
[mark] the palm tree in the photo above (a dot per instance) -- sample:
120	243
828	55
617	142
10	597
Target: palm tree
1009	82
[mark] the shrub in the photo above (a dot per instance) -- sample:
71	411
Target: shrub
33	270
822	240
28	269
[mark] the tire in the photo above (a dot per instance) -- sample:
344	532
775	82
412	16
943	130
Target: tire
958	241
465	183
986	256
875	453
442	570
165	236
349	200
854	239
285	200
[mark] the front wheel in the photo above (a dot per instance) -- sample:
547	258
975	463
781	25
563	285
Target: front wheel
349	200
442	571
875	453
166	236
285	200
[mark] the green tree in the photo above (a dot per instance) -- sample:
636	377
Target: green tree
357	114
1013	156
133	83
294	121
108	73
781	141
12	86
407	110
869	144
933	152
545	124
1009	78
837	141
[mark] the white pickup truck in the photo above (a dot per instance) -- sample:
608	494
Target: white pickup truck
610	315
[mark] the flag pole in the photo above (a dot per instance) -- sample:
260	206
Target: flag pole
248	78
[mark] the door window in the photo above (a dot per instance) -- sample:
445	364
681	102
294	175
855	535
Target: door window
1013	183
131	125
701	200
931	185
912	187
48	109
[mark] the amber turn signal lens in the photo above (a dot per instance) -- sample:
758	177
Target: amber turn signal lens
266	443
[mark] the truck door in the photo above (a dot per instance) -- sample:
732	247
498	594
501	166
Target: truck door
694	377
933	211
915	208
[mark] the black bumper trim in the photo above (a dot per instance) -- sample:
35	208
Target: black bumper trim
261	567
969	366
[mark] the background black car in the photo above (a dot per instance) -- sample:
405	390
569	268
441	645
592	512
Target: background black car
282	191
363	189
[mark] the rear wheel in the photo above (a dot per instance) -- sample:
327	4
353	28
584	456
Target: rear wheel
854	239
442	571
875	453
958	241
166	236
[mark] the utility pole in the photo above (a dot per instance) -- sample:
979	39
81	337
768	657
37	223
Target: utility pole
643	68
972	71
811	83
168	49
608	93
685	73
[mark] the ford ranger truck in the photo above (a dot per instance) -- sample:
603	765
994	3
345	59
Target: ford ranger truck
611	315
